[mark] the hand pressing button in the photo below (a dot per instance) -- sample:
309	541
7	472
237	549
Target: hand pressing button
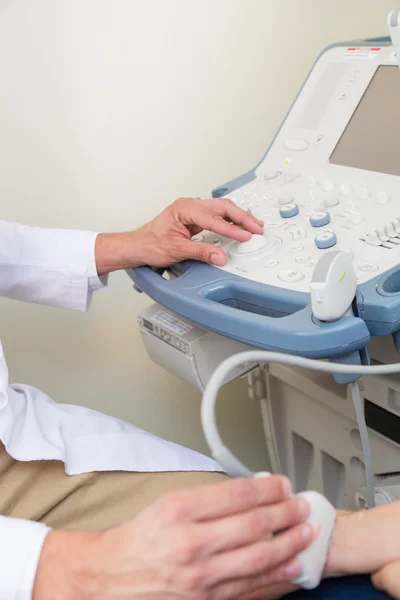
255	247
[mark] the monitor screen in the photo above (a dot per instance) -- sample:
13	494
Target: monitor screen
371	140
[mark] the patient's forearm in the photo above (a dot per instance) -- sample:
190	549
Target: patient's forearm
364	541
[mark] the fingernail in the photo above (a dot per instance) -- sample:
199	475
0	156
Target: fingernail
307	533
218	260
293	570
303	507
287	486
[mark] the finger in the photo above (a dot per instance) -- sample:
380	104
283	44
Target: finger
229	210
212	220
388	579
203	252
271	586
274	591
250	527
259	558
223	499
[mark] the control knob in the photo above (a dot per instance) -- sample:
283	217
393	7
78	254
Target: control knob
255	247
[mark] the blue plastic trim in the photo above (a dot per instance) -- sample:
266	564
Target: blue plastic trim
380	309
203	294
354	358
384	40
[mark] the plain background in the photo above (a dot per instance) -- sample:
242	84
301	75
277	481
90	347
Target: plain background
111	109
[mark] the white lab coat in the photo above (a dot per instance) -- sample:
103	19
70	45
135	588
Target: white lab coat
57	268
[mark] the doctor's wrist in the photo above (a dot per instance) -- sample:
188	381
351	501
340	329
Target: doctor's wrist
65	567
118	251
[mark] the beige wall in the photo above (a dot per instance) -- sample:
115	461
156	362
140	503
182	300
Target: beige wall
109	110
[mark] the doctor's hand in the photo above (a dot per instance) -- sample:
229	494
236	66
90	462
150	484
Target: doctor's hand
166	240
216	542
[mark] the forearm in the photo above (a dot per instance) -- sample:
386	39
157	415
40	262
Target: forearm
365	541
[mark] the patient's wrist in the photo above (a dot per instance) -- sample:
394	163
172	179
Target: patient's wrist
364	541
340	548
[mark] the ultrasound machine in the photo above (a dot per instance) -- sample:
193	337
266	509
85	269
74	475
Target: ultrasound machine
321	286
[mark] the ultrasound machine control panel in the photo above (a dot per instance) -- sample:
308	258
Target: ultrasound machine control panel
329	182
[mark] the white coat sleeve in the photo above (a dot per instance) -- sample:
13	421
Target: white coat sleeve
56	267
21	544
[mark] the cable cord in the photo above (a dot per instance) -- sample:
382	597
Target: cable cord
228	461
365	445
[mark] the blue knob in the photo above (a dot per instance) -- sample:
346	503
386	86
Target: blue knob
325	240
289	210
320	219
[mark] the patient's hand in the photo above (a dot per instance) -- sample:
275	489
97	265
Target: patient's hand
388	579
365	541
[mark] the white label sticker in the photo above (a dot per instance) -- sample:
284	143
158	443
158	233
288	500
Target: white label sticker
363	53
172	323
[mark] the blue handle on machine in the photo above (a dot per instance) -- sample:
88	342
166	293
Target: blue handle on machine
250	312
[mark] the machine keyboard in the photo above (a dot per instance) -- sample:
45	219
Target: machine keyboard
305	216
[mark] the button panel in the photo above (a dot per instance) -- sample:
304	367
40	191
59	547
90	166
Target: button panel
387	235
355	216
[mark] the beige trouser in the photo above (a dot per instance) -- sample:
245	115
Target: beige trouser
41	491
